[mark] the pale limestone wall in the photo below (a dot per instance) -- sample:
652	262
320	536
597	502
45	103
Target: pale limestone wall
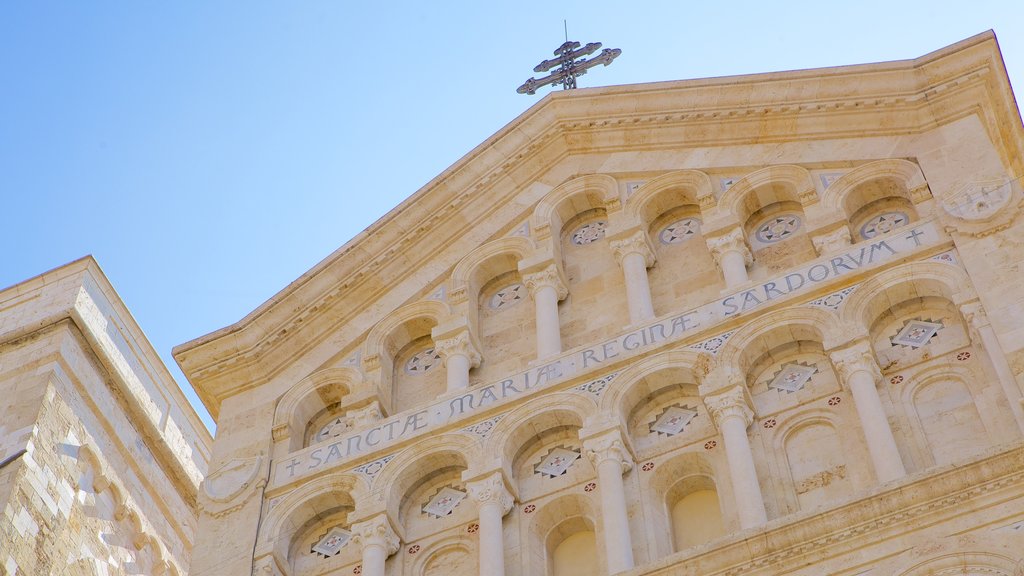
949	493
91	484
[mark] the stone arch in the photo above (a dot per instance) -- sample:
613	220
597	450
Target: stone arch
310	396
667	191
555	521
910	280
516	427
836	197
304	504
966	564
796	180
473	271
387	338
569	199
810	322
675	479
617	397
419	461
822	466
947	439
424	563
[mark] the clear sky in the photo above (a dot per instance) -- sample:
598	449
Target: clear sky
209	153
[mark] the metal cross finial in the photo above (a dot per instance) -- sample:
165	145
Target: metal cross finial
571	63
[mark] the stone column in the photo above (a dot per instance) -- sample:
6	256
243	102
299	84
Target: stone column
732	256
981	329
732	415
493	501
459	355
547	288
635	256
857	367
612	460
377	540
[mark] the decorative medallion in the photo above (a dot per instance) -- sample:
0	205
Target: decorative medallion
589	233
883	224
948	257
529	509
832	301
834	401
777	228
710	444
897	379
332	542
916	333
647	467
473	528
679	231
507	297
590	487
332	429
557	462
769	423
358	569
673	420
373	468
962	356
792	377
423	361
444	502
596	387
483	429
414	549
711	345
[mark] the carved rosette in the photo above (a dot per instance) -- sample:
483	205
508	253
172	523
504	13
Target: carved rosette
635	243
982	208
732	241
458	343
546	277
856	358
376	531
491	490
729	404
832	242
608	446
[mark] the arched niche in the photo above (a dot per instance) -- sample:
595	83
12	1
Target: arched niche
843	196
314	395
564	528
593	191
816	460
945	414
691	507
488	286
398	355
447	558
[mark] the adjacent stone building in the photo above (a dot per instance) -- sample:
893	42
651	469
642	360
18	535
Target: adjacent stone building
101	455
757	325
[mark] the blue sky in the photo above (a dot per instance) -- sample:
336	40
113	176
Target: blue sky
209	153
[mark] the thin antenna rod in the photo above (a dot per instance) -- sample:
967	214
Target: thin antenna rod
565	24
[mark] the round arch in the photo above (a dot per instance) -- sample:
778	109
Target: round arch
836	197
805	322
304	503
627	389
655	197
910	280
519	425
571	198
796	178
308	397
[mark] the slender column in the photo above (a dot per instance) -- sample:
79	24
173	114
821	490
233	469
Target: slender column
732	416
493	501
857	367
459	355
547	288
635	256
732	256
377	540
981	329
612	460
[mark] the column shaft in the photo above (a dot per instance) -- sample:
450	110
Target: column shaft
492	544
457	366
374	556
734	268
617	540
638	289
881	443
549	337
745	485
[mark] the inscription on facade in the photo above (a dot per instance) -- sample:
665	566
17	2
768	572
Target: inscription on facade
448	409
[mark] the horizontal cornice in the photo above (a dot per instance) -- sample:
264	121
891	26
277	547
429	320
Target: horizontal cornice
374	271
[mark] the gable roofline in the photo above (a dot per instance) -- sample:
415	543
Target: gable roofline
244	344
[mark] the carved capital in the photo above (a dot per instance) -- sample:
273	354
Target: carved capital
376	531
733	241
608	446
856	358
458	343
362	417
832	242
491	490
635	243
731	403
548	276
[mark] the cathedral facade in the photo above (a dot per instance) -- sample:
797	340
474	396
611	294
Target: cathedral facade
768	324
756	325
